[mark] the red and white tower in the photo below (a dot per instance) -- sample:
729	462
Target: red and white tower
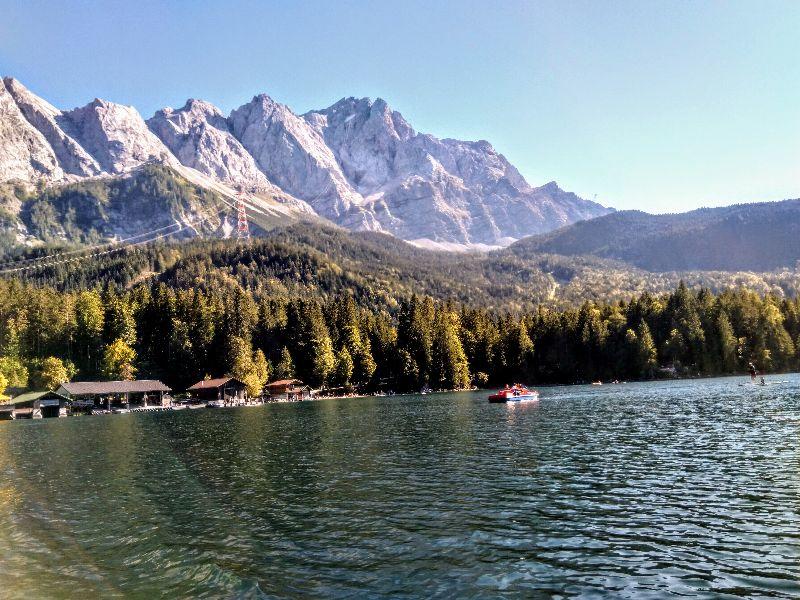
242	228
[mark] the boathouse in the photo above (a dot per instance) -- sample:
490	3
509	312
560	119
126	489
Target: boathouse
35	405
225	389
105	394
288	390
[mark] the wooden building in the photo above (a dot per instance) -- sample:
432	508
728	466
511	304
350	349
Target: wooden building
6	409
288	390
107	394
35	405
227	390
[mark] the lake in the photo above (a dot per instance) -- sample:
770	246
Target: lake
635	490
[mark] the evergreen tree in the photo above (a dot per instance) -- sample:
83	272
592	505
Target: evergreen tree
774	346
676	349
647	354
251	368
408	376
414	333
450	367
239	359
322	361
89	317
518	351
261	373
285	366
726	344
118	321
344	368
310	342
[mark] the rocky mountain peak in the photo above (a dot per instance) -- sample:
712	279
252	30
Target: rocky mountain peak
356	113
198	134
192	113
552	187
201	107
268	106
115	135
71	157
294	155
23	96
25	154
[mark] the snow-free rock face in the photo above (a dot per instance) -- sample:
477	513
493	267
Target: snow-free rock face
419	186
42	115
357	163
295	157
25	154
365	138
115	135
198	136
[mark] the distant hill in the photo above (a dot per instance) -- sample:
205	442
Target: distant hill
743	237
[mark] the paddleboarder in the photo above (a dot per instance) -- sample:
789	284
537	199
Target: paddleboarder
753	371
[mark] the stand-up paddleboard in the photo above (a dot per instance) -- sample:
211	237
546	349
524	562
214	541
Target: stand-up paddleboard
759	384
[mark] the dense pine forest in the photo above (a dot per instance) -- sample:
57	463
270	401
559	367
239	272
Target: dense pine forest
368	312
346	339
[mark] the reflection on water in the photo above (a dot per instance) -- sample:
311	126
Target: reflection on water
632	490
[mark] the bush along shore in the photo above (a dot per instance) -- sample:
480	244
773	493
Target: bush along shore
344	343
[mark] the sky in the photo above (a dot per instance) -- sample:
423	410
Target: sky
651	105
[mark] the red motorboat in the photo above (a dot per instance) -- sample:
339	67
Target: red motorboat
515	393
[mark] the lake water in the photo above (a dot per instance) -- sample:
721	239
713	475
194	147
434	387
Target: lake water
636	490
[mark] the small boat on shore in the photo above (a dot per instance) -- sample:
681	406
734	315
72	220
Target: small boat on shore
515	393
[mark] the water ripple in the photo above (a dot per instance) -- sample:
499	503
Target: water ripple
632	491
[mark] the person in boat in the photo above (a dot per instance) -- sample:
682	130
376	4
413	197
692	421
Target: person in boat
753	371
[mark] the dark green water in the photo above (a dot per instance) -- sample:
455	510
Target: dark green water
639	490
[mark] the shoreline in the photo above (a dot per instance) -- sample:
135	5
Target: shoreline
743	377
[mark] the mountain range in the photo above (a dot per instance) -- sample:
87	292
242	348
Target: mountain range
358	164
102	172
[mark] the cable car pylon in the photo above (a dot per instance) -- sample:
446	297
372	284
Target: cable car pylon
242	227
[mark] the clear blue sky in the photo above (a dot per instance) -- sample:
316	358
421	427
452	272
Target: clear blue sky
661	106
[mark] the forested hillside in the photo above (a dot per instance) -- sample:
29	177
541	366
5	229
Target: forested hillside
93	210
182	334
755	237
368	311
149	203
314	260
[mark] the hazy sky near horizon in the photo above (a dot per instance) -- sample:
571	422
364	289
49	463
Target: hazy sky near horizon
659	106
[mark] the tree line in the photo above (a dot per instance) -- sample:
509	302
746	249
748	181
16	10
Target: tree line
182	335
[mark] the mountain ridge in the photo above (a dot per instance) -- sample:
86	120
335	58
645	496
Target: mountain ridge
753	236
357	163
